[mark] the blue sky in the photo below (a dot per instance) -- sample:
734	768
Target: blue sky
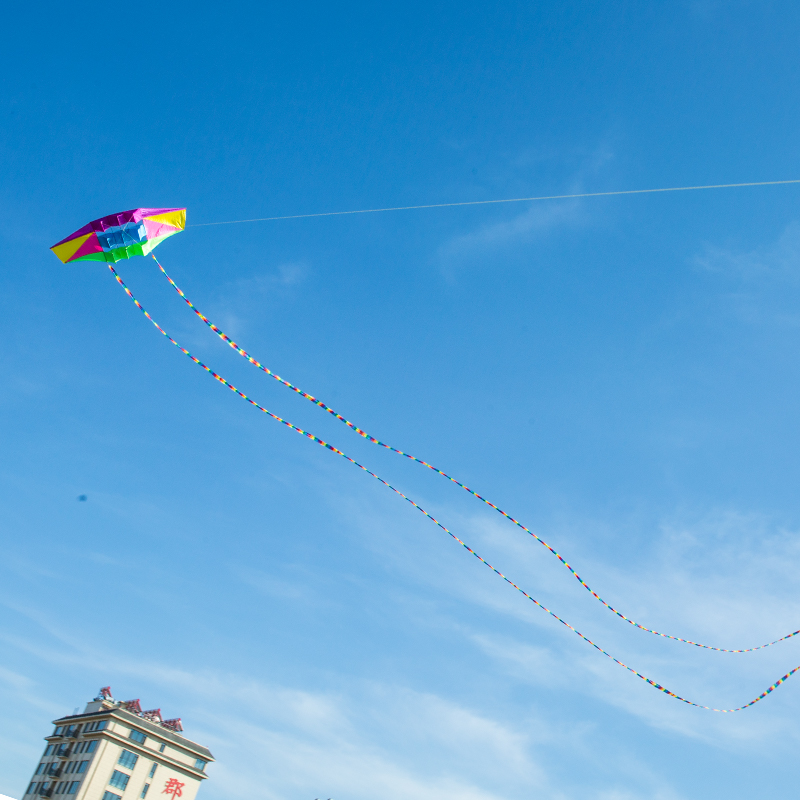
619	373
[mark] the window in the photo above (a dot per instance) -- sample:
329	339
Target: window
200	764
49	749
119	779
91	746
60	787
70	767
137	736
59	730
144	791
82	767
32	788
40	769
102	725
73	787
162	748
153	769
111	796
128	759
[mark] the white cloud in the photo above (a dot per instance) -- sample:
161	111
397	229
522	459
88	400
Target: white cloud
762	281
777	261
726	579
726	576
369	740
235	302
537	219
283	275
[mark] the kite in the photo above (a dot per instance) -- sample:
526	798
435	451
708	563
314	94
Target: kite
123	235
136	232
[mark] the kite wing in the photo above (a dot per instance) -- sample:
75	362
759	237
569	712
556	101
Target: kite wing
123	235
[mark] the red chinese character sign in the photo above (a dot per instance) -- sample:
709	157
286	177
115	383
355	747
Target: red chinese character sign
174	787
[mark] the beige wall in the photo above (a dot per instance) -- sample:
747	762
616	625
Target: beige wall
114	740
174	762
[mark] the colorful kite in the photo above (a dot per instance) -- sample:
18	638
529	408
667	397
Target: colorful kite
137	232
118	236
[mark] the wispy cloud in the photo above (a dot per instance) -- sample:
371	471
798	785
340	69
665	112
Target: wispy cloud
537	219
726	579
726	576
236	301
775	261
318	743
523	227
294	584
283	275
761	282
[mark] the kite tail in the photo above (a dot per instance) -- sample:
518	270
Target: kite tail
242	352
419	508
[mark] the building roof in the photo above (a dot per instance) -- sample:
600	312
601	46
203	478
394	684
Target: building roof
140	722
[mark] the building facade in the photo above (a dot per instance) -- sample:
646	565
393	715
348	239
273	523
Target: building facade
116	751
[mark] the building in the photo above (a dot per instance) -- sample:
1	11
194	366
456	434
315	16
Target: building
116	751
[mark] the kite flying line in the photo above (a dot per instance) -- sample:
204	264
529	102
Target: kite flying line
497	202
242	352
419	508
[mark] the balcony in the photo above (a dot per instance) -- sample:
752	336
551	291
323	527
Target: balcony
63	751
54	771
45	792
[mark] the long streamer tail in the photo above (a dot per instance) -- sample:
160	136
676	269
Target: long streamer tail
419	508
242	352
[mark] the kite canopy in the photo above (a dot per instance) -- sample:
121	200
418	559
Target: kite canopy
123	235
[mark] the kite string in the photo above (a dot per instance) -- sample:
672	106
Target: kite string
419	508
496	202
242	352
